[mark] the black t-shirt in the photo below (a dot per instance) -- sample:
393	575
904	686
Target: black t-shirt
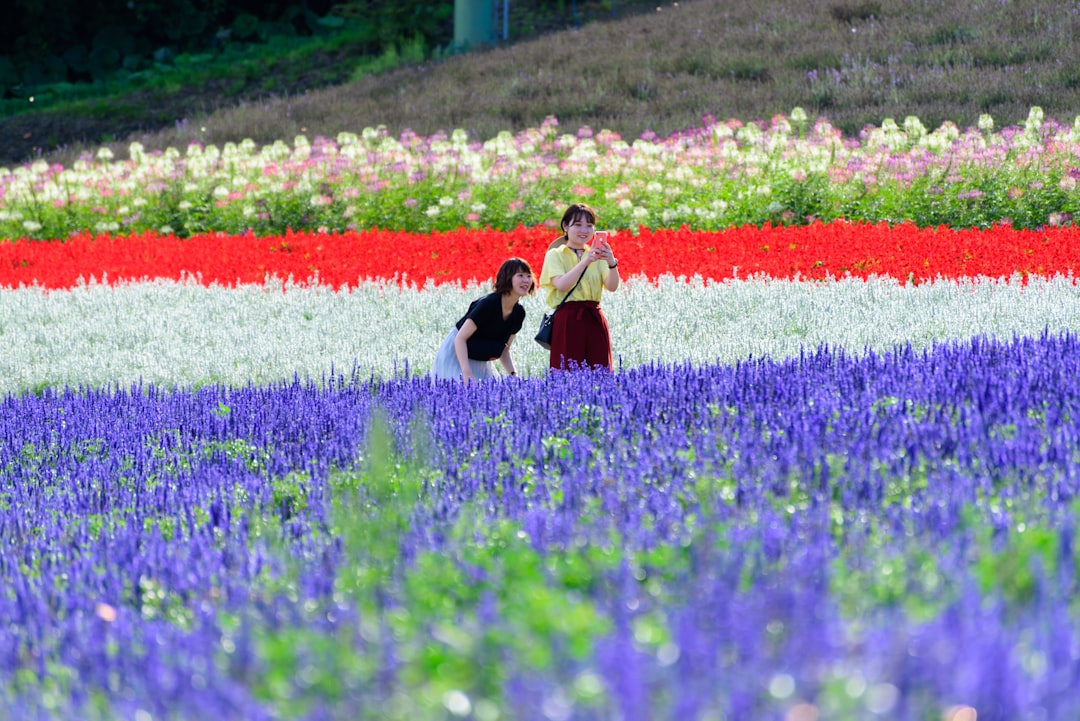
492	332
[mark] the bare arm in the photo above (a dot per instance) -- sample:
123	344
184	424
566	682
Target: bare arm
506	359
612	281
611	275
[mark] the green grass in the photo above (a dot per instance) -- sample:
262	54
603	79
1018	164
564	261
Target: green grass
853	61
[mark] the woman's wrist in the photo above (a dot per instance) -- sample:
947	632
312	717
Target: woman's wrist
613	266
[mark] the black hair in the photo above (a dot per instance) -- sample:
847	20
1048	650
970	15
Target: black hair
504	279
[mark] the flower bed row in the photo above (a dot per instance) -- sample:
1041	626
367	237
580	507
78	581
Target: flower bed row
839	249
184	334
827	537
789	170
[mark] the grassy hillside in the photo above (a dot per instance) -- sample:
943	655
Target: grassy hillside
854	61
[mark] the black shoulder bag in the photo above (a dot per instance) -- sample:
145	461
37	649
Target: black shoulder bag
543	336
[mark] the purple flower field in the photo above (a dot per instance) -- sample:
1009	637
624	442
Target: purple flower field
882	536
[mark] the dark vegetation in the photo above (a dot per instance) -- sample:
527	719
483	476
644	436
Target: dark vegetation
653	68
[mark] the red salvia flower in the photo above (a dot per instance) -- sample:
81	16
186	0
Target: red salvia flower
838	249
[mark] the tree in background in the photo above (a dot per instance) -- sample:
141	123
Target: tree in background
55	41
47	42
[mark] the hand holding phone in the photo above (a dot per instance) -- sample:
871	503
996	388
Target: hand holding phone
600	242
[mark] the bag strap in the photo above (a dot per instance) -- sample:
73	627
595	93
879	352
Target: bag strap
572	289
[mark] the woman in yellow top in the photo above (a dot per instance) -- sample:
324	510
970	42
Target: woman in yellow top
579	334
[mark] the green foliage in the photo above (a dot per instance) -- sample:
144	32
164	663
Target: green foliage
784	178
1013	565
906	578
391	23
952	33
856	61
431	609
290	495
748	69
855	10
801	197
370	511
489	606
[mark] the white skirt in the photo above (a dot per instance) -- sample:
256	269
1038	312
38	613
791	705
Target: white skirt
447	366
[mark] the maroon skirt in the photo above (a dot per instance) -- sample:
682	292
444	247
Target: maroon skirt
580	337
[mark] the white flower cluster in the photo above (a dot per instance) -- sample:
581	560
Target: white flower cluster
750	154
97	335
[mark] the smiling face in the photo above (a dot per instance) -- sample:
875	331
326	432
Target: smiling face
579	231
523	283
515	276
579	224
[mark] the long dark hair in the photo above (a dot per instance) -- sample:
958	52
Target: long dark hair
504	279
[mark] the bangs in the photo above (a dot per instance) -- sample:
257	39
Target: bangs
579	214
517	265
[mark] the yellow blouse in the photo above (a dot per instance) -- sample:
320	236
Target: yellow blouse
561	260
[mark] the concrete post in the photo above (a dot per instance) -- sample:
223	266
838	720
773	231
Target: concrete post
472	24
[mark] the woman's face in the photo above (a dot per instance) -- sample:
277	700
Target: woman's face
580	230
522	283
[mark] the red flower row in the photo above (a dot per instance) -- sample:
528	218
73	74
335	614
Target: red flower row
817	251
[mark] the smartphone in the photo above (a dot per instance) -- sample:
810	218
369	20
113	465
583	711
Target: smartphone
600	236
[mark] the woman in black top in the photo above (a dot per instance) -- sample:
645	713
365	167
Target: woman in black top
487	329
